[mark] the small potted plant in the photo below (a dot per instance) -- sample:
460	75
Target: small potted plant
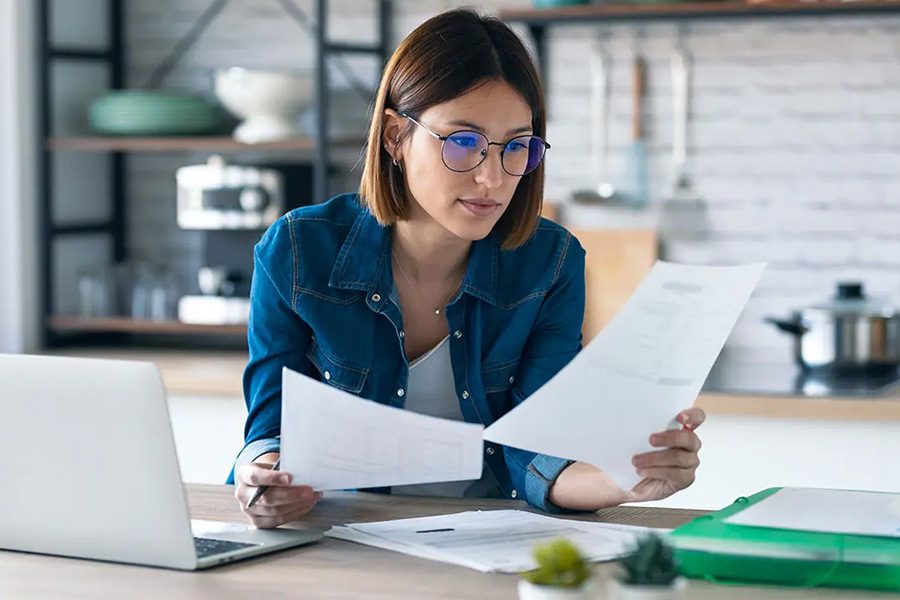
562	573
649	572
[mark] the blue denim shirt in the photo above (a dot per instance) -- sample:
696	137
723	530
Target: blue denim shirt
323	303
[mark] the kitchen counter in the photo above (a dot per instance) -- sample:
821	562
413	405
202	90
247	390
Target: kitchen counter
218	373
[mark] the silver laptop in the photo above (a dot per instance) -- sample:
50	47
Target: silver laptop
88	469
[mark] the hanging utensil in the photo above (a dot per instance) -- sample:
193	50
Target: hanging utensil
639	195
684	215
601	68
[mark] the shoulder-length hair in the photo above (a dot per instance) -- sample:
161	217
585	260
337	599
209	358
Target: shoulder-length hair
444	58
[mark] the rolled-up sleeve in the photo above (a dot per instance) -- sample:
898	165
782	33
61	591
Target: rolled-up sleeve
554	341
277	337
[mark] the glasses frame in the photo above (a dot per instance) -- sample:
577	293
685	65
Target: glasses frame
503	145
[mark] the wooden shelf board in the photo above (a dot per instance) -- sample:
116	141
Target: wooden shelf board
726	8
61	323
187	144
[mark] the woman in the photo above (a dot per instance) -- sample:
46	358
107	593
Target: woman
438	288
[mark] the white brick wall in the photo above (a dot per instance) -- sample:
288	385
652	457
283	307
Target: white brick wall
795	134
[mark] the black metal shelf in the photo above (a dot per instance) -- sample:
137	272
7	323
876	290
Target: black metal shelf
58	330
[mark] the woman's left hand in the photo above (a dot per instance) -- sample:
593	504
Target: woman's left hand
674	468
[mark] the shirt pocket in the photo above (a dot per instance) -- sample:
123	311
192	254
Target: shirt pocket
335	372
499	376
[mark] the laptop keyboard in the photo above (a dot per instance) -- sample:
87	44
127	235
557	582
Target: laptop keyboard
208	547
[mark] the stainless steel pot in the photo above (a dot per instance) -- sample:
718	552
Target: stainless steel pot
849	333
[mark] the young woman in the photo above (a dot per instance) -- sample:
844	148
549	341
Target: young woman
437	288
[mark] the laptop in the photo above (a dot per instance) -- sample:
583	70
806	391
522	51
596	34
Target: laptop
88	469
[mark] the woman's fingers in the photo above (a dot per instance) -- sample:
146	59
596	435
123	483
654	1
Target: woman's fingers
678	478
267	506
256	475
677	438
279	515
692	418
672	457
276	496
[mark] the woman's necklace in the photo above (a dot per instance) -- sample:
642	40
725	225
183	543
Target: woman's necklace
437	309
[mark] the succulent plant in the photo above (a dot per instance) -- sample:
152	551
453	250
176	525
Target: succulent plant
652	562
559	564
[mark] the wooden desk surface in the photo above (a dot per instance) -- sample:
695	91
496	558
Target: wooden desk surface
331	568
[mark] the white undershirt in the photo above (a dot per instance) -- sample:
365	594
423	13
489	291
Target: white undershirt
431	391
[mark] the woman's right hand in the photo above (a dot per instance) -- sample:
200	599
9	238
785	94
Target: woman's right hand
281	503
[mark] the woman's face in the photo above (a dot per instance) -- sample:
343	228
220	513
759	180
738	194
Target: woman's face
467	204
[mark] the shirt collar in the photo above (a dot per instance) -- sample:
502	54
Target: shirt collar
364	259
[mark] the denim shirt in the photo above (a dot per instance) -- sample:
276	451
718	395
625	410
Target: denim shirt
323	303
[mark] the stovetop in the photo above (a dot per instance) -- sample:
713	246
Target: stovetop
786	379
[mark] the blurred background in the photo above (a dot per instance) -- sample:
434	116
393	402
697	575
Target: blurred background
145	146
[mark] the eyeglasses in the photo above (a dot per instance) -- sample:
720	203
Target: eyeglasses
465	150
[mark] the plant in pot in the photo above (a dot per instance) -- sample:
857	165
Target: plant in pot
648	572
562	573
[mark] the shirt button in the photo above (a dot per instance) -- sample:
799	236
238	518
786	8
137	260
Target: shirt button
400	392
465	395
327	376
514	493
376	297
402	333
490	451
457	334
512	379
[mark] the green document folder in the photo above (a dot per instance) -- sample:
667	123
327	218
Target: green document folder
709	548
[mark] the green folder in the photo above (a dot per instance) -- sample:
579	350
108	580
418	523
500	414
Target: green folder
709	548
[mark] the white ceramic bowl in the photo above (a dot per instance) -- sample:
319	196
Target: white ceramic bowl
268	101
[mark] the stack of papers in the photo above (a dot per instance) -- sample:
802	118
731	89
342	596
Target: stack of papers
490	541
825	511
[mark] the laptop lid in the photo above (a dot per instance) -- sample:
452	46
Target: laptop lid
87	462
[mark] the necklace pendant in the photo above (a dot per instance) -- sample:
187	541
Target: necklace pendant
437	311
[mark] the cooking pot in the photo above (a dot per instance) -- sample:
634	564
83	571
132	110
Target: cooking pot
851	332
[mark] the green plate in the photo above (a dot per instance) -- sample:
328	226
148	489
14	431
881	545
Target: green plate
138	112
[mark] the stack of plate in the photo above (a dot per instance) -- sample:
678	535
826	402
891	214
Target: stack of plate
138	112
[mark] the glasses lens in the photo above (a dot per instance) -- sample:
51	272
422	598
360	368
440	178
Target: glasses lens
464	150
523	154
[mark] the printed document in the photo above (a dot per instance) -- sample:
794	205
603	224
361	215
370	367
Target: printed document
490	541
830	511
641	370
333	440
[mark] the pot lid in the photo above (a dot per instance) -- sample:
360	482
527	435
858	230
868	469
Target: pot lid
850	299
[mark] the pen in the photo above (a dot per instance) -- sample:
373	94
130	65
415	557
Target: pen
262	489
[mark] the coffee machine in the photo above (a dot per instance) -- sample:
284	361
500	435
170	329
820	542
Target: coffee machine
230	206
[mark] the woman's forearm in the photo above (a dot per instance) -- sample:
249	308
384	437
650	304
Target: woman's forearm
582	486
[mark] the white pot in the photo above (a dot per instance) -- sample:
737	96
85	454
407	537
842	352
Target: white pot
620	591
530	591
268	101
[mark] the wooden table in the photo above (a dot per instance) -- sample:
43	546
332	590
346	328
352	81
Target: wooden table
330	568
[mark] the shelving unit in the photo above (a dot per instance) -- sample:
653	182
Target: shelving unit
189	144
538	20
125	325
60	329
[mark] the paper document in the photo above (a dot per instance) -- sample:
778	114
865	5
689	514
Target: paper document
498	540
829	511
644	367
332	440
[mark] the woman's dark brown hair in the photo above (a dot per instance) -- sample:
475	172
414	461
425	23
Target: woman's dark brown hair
446	57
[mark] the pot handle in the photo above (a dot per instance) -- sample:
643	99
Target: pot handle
791	327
